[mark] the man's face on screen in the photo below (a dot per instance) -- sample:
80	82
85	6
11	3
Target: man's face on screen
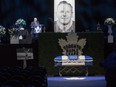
64	13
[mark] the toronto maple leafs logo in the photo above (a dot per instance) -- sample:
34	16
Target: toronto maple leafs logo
73	45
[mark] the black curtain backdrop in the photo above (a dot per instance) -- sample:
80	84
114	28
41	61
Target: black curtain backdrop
88	13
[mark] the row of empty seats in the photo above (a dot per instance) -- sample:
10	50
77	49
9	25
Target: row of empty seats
19	77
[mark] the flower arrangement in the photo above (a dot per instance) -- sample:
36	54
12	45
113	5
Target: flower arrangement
13	31
20	22
2	30
109	21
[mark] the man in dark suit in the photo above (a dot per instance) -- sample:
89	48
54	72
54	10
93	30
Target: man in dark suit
109	65
36	28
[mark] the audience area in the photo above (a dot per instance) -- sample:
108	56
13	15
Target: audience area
19	77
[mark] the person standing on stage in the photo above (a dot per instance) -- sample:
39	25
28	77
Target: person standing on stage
35	25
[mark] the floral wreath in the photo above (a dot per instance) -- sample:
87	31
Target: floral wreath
20	22
2	30
109	21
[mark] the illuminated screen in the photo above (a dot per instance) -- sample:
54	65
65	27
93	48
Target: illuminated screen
64	16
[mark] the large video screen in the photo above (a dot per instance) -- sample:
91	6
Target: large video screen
64	16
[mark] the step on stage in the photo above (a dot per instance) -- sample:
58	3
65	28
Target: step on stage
90	81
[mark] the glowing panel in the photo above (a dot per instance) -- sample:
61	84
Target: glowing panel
64	16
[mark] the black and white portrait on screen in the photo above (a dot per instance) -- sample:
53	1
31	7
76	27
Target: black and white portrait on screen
64	16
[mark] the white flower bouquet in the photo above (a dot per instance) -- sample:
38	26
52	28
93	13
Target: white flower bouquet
2	30
109	21
13	31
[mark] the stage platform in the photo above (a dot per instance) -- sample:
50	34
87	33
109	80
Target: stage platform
90	81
